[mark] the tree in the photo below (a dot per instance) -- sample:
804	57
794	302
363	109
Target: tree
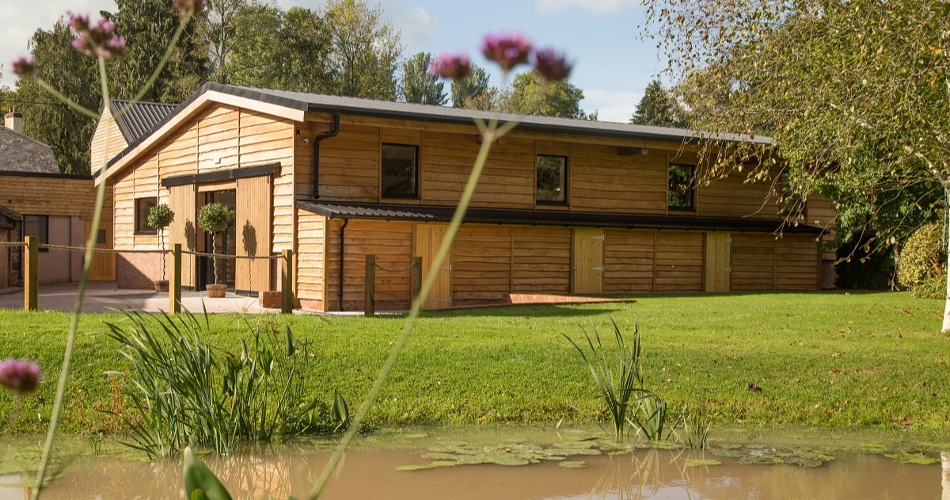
658	107
48	120
217	28
148	27
856	95
418	85
527	95
365	51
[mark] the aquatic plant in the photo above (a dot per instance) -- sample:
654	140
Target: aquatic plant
185	391
617	374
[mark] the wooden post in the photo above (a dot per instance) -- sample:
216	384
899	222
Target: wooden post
415	280
174	287
286	283
369	301
31	273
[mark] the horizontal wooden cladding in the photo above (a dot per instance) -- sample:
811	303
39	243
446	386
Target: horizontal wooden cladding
679	261
629	261
797	264
48	195
600	180
542	260
107	140
311	257
733	197
762	262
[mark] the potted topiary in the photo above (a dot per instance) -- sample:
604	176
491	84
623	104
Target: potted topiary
215	218
159	218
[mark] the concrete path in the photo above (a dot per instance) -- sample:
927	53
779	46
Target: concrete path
100	297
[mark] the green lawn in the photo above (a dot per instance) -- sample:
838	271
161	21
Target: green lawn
821	359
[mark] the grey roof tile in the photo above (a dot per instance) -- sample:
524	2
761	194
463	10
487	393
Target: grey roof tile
135	120
19	153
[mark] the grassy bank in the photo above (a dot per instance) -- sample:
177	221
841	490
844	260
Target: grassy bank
821	359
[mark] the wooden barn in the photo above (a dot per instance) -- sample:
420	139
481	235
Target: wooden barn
564	206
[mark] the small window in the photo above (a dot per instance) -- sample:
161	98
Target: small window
552	179
400	171
37	225
680	190
142	207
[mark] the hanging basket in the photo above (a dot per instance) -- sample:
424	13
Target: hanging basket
216	291
161	285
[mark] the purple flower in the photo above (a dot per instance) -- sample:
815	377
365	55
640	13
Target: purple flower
508	50
552	65
19	375
455	67
24	66
98	40
190	7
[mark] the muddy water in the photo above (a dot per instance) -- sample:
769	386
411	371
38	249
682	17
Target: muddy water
372	474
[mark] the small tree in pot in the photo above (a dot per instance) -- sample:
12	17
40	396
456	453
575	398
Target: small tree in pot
159	218
215	218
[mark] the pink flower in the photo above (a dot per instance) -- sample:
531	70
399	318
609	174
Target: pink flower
190	7
20	375
24	66
552	65
455	67
508	50
98	40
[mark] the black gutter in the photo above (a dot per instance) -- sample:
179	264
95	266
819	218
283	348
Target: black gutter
316	153
342	249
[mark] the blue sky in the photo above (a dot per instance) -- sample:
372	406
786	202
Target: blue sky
612	64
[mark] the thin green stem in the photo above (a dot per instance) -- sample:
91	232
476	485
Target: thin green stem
492	132
69	102
77	310
161	64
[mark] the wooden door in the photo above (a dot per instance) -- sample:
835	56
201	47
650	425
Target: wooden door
588	261
183	229
103	267
718	270
428	239
253	226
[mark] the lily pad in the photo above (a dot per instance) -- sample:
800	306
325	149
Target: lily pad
804	457
432	465
701	462
573	464
919	458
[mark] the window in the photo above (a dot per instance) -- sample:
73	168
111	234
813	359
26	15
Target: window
37	225
142	207
679	194
552	179
400	171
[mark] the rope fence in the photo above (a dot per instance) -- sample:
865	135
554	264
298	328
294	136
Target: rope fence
12	244
369	299
396	271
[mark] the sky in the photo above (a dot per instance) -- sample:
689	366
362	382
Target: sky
612	64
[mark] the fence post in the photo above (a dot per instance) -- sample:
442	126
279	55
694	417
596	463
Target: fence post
31	273
369	301
174	288
415	279
286	283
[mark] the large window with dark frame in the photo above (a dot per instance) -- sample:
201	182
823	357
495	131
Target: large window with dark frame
37	225
142	207
679	194
552	179
400	171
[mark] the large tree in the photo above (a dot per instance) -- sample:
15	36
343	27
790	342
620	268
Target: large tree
49	120
418	85
365	50
474	91
855	94
659	107
217	29
529	95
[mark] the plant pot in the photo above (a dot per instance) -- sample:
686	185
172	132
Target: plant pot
216	291
161	285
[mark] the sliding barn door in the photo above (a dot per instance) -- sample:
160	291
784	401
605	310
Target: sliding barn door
588	261
428	239
718	268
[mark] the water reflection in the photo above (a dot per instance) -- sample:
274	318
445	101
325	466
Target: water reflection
643	474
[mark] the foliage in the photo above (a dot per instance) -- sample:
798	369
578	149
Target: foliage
659	107
214	217
365	50
52	122
200	482
418	85
864	263
617	375
472	91
185	391
160	216
527	95
217	29
924	257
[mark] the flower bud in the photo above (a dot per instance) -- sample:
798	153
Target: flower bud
551	65
24	66
455	67
190	7
508	50
19	375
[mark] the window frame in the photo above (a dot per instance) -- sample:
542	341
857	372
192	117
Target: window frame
564	180
142	219
42	226
690	184
382	172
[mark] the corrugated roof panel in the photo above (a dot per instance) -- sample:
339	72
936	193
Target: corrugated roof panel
136	120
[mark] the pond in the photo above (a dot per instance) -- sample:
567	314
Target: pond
540	464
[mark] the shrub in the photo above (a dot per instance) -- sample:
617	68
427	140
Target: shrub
864	263
160	217
924	257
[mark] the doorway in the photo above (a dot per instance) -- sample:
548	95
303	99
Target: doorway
226	244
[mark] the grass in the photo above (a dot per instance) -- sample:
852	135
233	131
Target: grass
821	359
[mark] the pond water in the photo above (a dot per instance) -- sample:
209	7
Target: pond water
558	466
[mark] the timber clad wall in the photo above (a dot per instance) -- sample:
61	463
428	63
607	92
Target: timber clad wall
48	195
101	148
311	260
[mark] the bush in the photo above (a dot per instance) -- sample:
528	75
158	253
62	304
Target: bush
924	258
160	217
864	264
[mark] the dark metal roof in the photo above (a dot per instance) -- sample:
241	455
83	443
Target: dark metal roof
553	218
19	153
135	120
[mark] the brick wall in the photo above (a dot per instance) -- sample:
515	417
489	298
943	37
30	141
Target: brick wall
138	270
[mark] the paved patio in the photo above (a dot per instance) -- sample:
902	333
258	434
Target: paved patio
100	297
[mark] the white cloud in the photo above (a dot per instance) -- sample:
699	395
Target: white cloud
595	7
21	18
611	106
418	27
